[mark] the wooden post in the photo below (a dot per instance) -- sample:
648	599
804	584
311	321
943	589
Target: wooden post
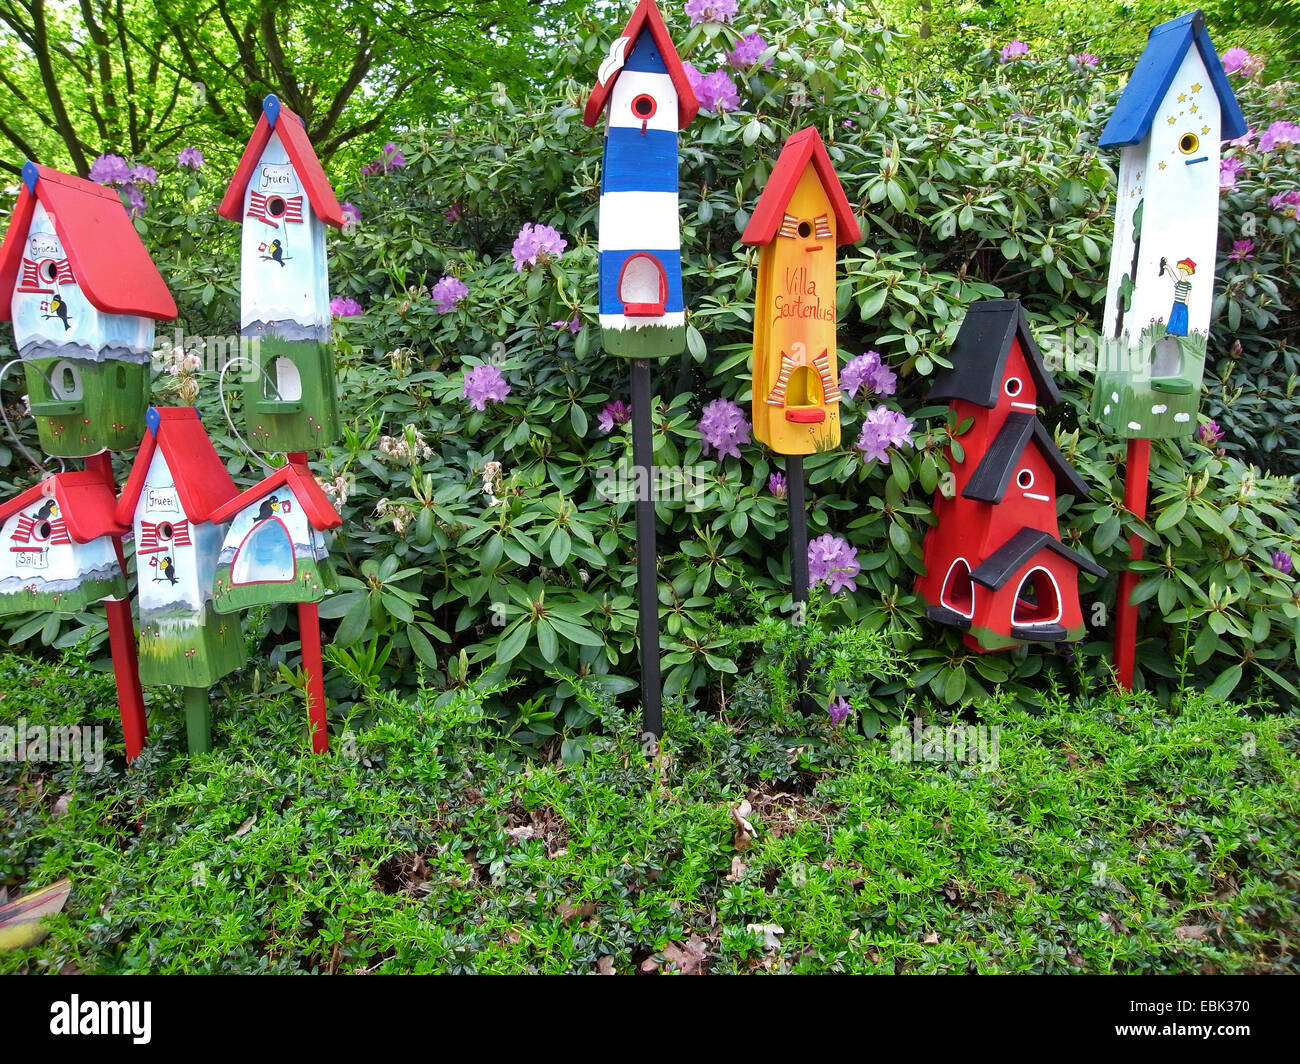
1135	500
312	664
198	720
647	569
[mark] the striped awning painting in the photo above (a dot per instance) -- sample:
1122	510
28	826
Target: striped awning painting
259	207
162	536
31	534
30	279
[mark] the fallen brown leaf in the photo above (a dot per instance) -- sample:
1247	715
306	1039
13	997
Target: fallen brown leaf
738	870
744	834
244	828
605	966
689	956
1192	931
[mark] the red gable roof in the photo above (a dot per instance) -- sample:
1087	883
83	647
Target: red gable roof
202	483
108	259
278	118
86	503
298	479
646	16
802	148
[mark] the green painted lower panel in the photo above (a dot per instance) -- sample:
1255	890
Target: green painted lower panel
74	601
309	422
191	655
649	341
315	580
1150	391
109	414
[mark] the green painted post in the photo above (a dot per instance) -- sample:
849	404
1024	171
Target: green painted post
198	720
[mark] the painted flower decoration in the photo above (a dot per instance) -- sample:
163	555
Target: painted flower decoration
718	93
483	385
883	428
615	412
191	157
710	11
724	428
344	307
1012	51
1279	135
838	710
1242	250
447	293
1281	561
1229	168
834	561
777	485
536	244
1209	433
747	52
868	369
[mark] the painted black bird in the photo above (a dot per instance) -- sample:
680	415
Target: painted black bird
264	513
60	311
49	508
277	252
168	569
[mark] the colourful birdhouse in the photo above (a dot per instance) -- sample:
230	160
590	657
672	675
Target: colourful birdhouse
57	549
83	296
284	200
274	550
646	97
995	564
801	218
1170	120
176	484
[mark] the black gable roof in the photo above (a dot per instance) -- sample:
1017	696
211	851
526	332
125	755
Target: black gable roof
992	476
1003	563
979	355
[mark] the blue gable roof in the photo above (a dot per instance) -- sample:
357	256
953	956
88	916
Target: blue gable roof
1166	48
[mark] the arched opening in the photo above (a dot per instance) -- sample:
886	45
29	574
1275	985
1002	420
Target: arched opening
284	382
1167	357
65	381
265	556
959	589
48	270
643	286
121	377
1038	600
275	206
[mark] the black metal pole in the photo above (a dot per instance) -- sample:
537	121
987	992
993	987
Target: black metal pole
798	559
647	570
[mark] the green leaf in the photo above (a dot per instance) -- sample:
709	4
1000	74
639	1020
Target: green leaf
1225	683
422	646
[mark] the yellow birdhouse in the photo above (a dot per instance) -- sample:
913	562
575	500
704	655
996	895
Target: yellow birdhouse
801	218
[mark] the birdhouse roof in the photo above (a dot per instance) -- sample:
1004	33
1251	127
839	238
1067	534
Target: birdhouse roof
992	476
1006	561
86	503
1166	48
279	119
298	479
202	483
108	259
646	17
979	355
800	149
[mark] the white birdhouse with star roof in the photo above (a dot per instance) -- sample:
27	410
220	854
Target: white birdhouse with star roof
1170	122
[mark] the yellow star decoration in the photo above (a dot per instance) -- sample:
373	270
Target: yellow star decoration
1205	130
1171	120
1162	166
1194	108
1182	96
1196	87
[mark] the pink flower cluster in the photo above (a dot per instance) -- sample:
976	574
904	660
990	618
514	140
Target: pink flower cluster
747	52
447	293
710	11
113	170
868	369
834	561
536	244
716	92
483	385
724	428
1012	51
391	159
883	428
344	307
615	412
1279	135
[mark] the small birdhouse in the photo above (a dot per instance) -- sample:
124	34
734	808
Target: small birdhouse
1170	120
83	295
646	97
274	549
176	483
57	549
995	564
801	218
281	196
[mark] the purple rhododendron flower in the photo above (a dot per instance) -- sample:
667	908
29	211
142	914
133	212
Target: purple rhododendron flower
1284	200
147	174
834	561
135	199
483	385
393	159
1085	59
447	293
455	212
694	76
1281	561
868	369
881	429
1210	432
1244	140
372	169
710	11
1241	250
838	710
1011	51
1279	135
344	307
1229	168
110	169
747	52
191	157
574	324
718	93
777	485
536	244
1233	59
615	412
724	428
351	216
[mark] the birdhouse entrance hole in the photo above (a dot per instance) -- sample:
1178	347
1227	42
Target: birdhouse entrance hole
285	384
643	286
275	207
958	589
1167	357
165	530
1038	600
42	531
65	381
48	270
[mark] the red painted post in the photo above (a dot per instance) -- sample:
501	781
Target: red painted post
121	641
312	665
1135	501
